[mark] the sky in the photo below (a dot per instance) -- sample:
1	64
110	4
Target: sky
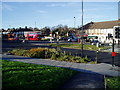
21	14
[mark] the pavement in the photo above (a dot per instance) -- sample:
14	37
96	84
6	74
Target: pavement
92	75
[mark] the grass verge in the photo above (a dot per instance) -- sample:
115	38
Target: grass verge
19	75
112	82
78	46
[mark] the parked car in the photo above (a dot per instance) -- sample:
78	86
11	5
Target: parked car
72	39
94	42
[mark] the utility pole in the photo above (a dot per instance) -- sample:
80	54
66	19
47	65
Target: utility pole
35	24
10	26
82	33
74	22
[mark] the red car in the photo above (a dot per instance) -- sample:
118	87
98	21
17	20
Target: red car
33	36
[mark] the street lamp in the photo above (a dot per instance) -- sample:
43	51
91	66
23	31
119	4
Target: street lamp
82	33
35	24
74	21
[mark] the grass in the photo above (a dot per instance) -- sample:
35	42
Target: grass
19	75
112	82
78	46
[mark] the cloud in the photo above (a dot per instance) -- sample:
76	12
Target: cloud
56	5
67	4
7	7
41	11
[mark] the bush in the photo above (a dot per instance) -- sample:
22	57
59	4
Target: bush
49	53
19	52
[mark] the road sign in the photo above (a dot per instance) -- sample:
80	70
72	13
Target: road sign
113	53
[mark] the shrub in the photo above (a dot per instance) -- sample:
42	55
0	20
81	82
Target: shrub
50	53
38	52
87	59
13	51
19	52
54	56
93	62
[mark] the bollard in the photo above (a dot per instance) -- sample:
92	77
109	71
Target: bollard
97	44
64	52
70	54
76	54
97	52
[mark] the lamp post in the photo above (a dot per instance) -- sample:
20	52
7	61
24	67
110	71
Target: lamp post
82	33
35	24
74	22
10	26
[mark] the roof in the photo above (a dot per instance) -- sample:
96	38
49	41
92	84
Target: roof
101	25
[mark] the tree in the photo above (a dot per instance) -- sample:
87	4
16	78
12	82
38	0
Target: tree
45	31
36	29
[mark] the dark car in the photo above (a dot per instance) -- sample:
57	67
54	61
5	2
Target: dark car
72	39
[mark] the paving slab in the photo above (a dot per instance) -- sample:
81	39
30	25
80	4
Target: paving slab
62	64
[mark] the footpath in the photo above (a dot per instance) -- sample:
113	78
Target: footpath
92	75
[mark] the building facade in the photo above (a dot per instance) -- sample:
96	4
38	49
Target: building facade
102	30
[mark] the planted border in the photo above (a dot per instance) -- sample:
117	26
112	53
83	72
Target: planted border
52	54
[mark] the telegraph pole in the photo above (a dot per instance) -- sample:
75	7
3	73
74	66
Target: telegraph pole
74	22
82	33
35	24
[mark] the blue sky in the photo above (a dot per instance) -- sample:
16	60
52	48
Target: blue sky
21	14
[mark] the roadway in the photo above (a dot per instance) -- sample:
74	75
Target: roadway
103	57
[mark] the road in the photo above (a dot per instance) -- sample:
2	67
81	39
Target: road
103	57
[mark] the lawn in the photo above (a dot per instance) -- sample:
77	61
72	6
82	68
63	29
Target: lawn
113	82
19	75
78	46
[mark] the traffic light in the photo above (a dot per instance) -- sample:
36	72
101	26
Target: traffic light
110	35
117	32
